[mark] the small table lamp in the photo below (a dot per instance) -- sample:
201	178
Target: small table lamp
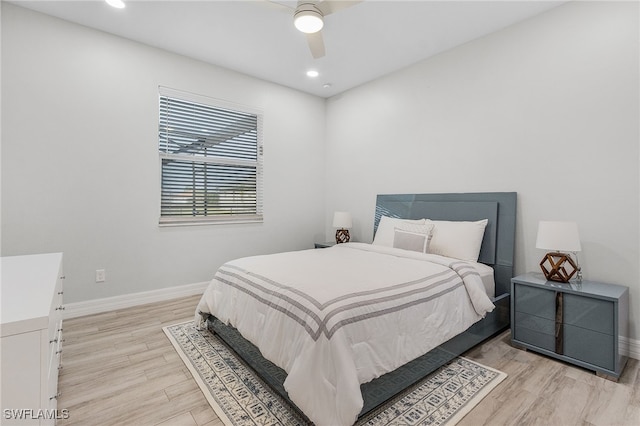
342	221
562	237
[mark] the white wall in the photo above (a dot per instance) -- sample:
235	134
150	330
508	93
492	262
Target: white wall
80	166
547	108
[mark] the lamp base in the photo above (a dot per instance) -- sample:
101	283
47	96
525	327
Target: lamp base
342	236
558	267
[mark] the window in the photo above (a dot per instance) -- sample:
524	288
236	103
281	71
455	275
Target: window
211	155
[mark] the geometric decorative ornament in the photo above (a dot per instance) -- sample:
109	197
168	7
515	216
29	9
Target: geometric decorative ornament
558	267
342	236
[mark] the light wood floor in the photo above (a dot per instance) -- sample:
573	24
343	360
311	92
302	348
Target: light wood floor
120	369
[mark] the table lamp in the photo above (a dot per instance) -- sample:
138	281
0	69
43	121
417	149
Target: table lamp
562	238
342	221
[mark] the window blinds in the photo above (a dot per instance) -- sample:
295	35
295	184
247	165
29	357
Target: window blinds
211	157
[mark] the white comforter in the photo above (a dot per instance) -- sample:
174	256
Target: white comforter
338	317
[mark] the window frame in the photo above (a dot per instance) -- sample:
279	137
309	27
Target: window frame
216	161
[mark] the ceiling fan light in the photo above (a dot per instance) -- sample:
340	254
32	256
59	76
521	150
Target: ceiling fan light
118	4
308	20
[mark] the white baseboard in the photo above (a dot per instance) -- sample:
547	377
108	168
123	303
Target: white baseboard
630	347
96	306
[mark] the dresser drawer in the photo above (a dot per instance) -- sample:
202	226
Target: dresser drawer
590	346
535	301
55	352
589	313
50	398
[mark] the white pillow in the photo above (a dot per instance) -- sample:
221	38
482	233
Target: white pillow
407	240
460	240
414	238
386	228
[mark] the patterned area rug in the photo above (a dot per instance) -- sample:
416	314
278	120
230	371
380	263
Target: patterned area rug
240	398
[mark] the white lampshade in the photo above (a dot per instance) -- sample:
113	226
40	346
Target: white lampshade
342	220
308	19
559	236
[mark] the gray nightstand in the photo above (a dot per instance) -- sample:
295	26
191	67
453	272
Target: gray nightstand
577	323
325	245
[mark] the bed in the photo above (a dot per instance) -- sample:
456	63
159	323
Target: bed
338	331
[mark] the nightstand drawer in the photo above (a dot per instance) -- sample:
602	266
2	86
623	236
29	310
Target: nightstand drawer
589	346
589	313
538	338
533	322
535	301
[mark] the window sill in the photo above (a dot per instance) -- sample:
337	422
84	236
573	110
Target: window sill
167	222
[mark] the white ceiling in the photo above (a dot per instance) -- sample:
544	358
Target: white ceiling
257	37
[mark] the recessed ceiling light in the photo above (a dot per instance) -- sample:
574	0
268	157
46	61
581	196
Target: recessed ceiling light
312	73
326	85
118	4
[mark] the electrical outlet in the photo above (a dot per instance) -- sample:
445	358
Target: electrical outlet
101	275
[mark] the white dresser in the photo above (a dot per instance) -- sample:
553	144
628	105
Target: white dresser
31	338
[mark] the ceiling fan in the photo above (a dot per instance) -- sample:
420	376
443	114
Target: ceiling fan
308	18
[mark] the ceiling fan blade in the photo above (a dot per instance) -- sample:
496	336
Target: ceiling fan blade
328	7
316	44
280	4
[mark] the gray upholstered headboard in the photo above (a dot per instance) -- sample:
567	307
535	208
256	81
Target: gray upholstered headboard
499	208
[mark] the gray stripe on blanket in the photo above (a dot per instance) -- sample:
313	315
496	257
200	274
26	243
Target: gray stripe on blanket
322	324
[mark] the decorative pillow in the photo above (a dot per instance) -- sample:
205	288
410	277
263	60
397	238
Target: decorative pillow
418	228
408	240
386	227
460	240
